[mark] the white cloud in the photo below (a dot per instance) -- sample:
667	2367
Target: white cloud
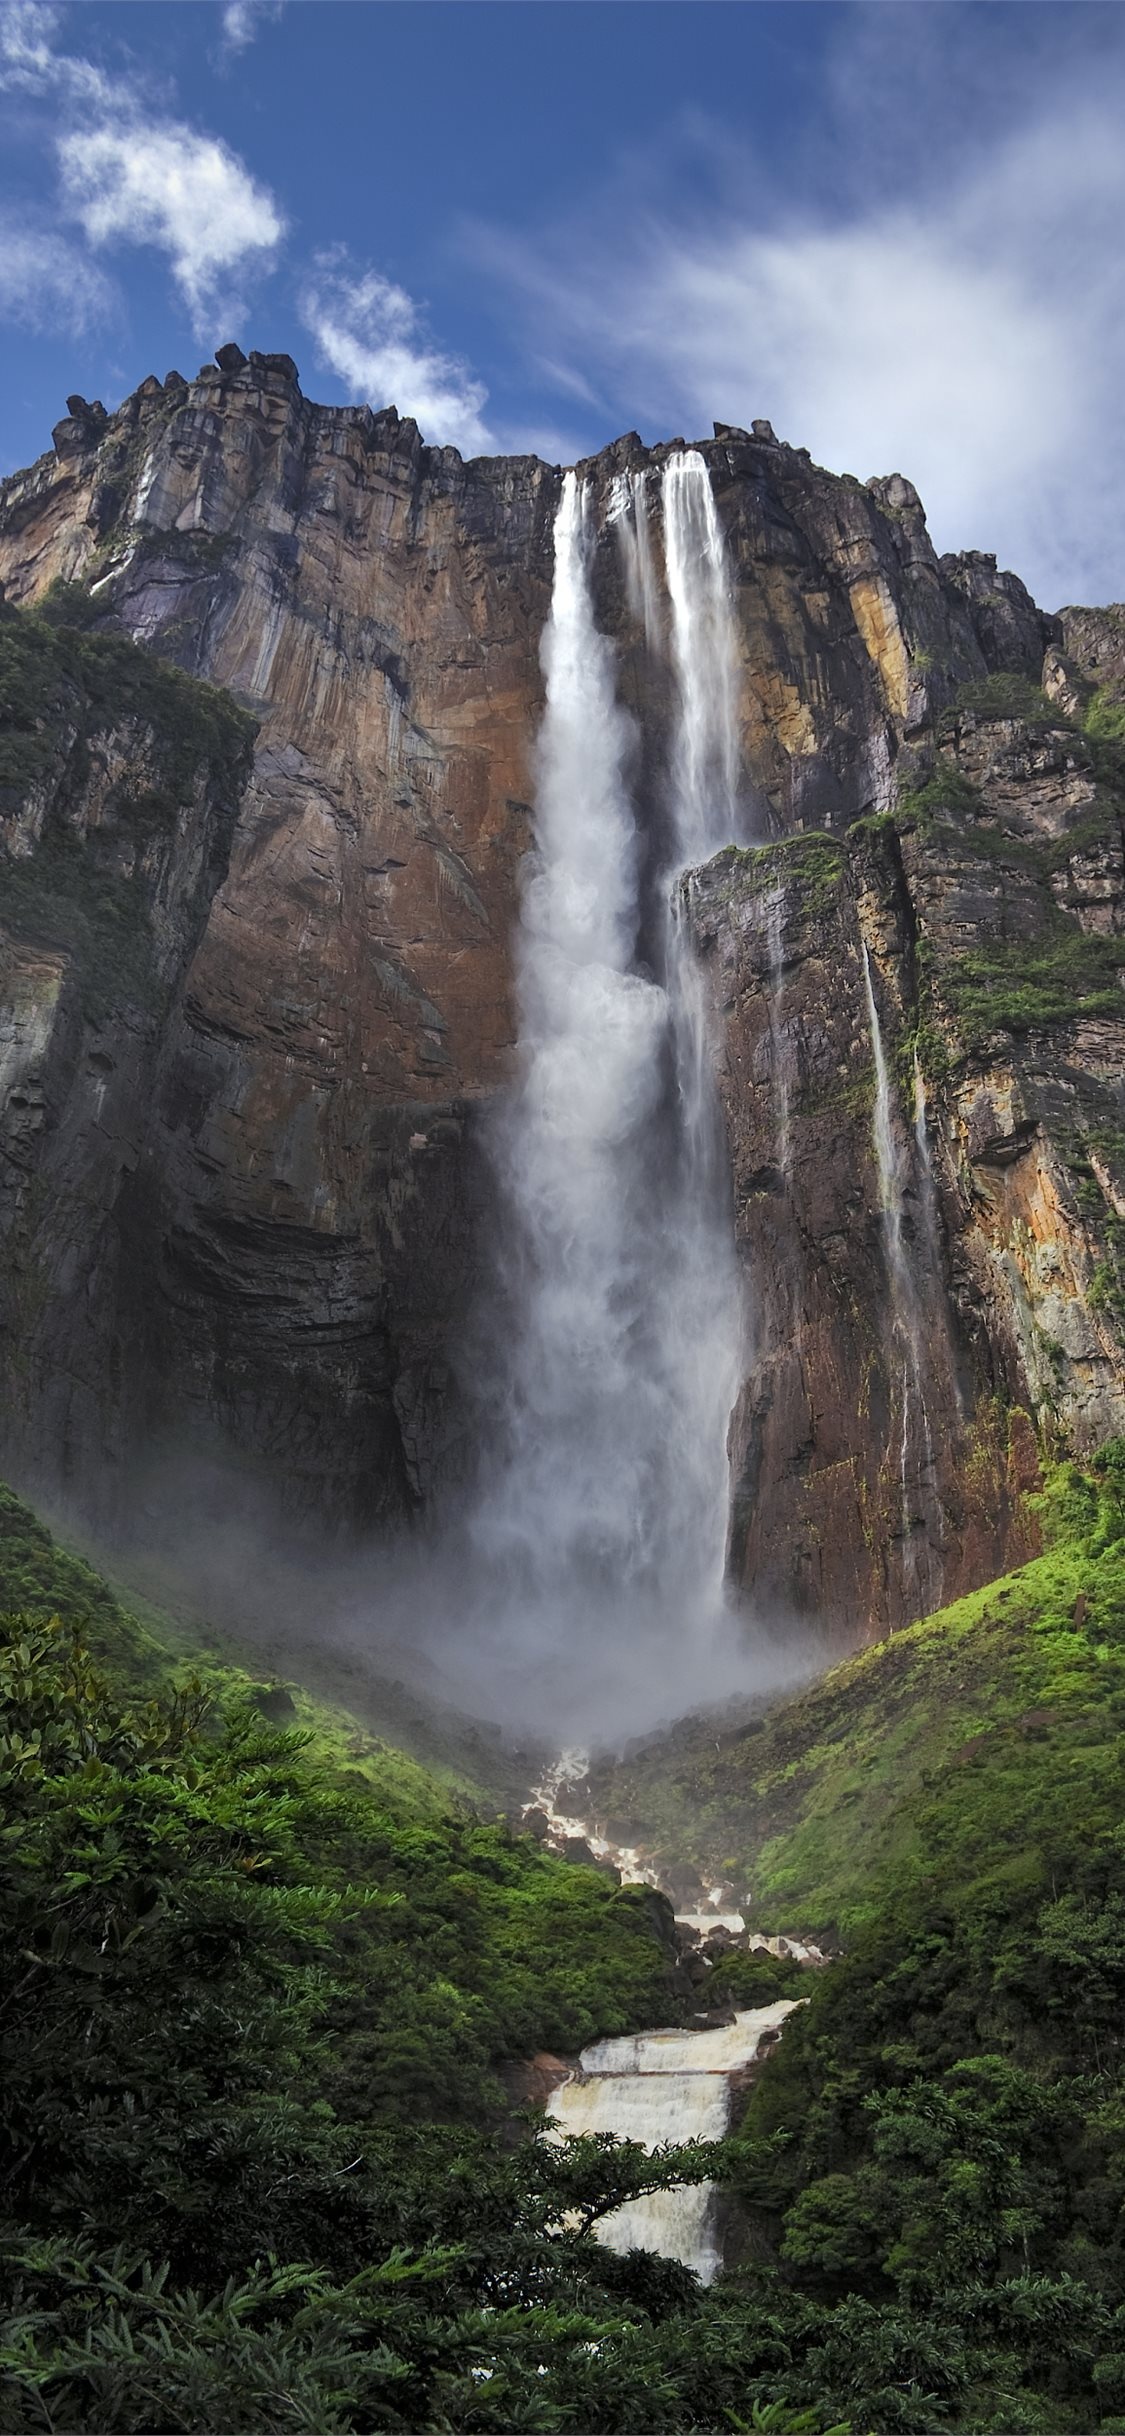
133	175
241	20
371	334
47	283
958	317
29	62
162	184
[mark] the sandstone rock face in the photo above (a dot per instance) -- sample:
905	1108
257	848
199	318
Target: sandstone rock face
990	906
377	607
310	1212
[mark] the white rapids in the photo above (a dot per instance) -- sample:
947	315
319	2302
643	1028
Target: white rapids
665	2085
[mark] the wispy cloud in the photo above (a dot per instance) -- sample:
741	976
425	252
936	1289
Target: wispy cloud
372	335
46	282
185	193
130	174
957	316
242	20
31	64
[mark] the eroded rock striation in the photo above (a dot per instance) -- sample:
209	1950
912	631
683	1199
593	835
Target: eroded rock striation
308	1215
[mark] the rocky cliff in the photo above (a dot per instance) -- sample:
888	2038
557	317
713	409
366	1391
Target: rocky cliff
120	782
308	1207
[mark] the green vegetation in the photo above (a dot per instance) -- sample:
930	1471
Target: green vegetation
249	2103
936	2155
812	1805
1105	716
251	2015
810	859
1024	985
944	2131
64	691
945	791
1008	695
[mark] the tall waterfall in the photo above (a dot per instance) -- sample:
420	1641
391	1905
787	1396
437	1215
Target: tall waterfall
602	1518
705	770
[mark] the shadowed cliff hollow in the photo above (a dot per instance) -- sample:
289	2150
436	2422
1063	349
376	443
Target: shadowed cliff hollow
915	977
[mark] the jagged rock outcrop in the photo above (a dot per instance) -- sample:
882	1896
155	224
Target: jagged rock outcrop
308	1206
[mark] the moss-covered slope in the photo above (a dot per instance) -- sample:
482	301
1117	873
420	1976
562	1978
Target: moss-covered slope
1005	1703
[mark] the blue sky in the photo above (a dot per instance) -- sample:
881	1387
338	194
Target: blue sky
894	229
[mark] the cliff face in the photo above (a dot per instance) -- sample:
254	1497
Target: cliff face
309	1203
377	606
990	906
119	788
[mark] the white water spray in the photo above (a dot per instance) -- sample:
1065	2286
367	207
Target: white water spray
705	772
602	1521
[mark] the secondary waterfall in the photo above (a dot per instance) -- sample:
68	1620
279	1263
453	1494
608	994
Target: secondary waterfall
915	1448
602	1518
666	2085
779	1054
628	513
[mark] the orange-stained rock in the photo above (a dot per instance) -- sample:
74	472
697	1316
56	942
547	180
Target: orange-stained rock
301	1222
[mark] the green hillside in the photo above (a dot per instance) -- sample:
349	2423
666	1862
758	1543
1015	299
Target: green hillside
263	1979
999	1712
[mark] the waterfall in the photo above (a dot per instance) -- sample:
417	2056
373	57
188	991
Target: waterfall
704	817
887	1156
666	2085
705	757
601	1516
905	1316
775	936
627	512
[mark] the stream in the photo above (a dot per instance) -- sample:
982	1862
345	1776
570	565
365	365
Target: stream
658	2086
666	2085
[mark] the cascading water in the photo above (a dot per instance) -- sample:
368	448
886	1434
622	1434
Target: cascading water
705	753
601	1521
666	2085
905	1316
628	513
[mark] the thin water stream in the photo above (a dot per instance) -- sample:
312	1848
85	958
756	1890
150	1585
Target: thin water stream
918	1501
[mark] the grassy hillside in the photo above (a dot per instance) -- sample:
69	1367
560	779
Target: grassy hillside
1012	1701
